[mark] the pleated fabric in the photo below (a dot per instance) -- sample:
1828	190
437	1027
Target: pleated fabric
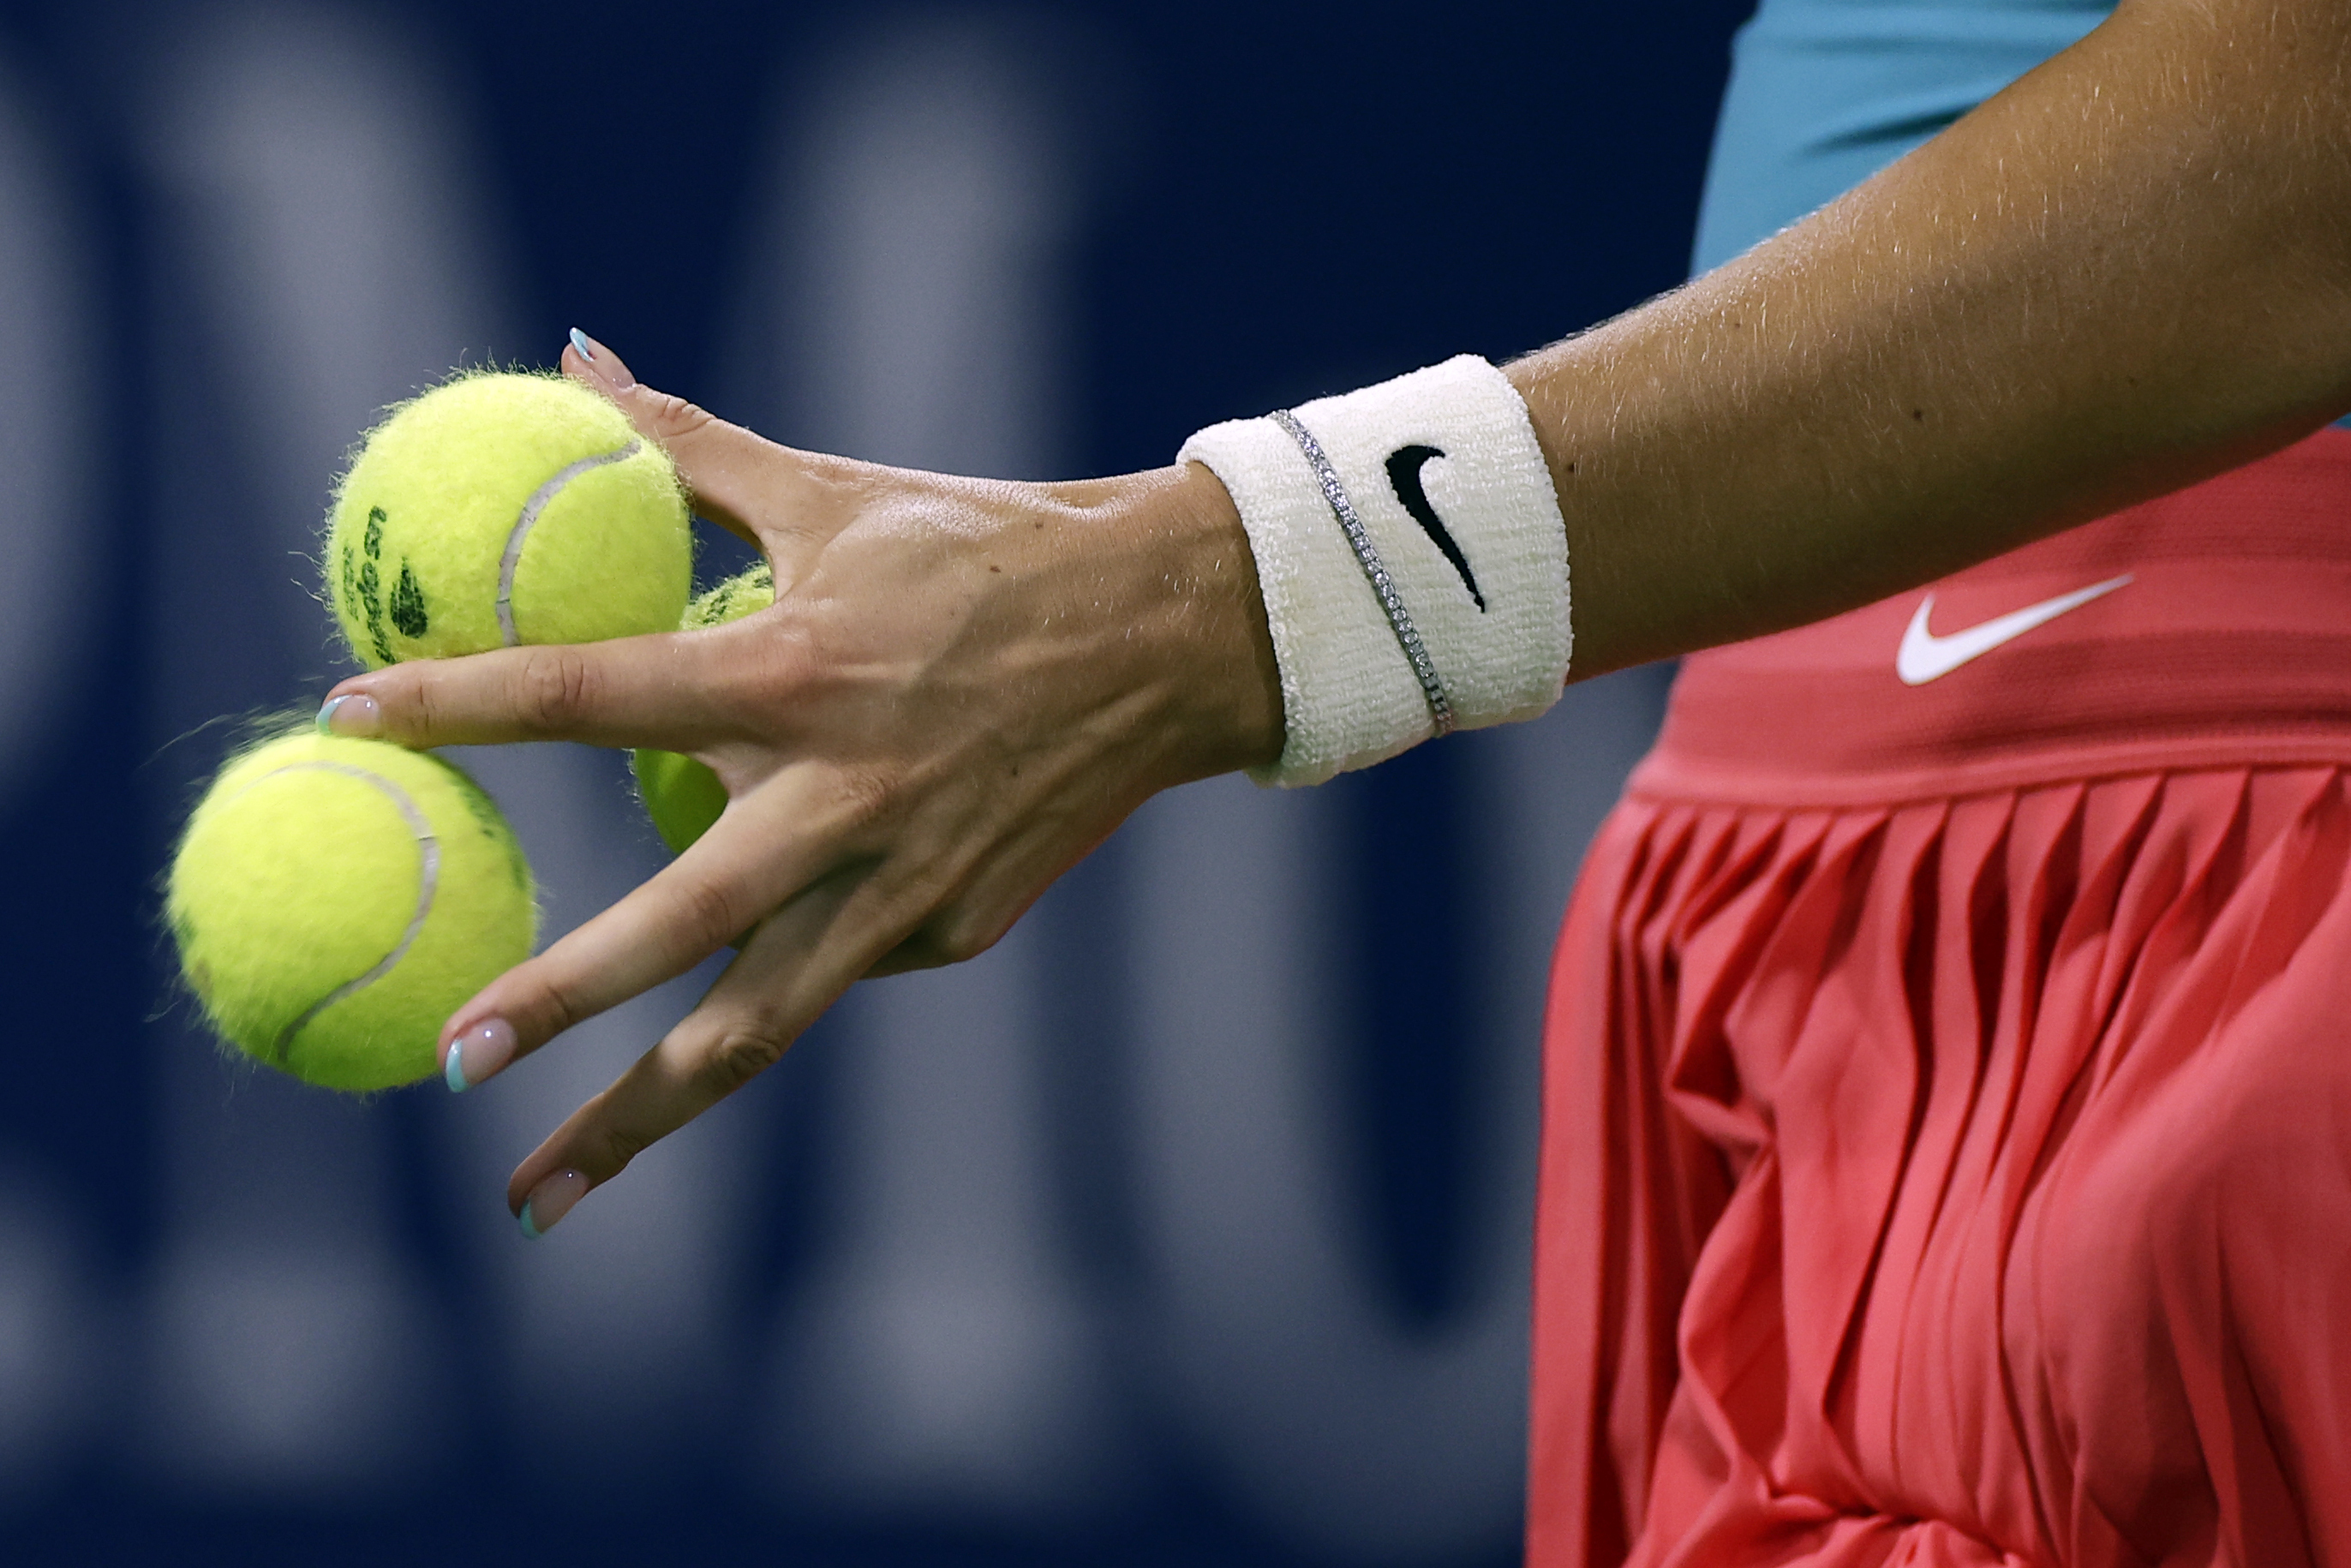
1963	1181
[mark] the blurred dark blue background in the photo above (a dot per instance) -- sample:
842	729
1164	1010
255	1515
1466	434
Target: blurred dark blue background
1190	1225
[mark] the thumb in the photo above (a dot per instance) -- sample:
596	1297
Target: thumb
773	497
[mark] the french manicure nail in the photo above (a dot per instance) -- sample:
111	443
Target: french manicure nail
550	1200
605	363
355	716
479	1053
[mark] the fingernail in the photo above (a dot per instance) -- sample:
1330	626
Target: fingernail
604	364
550	1200
478	1054
357	715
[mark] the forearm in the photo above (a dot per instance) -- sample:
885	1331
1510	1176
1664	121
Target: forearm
2130	271
2126	272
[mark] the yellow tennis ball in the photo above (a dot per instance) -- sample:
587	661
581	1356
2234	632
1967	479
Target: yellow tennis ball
335	901
504	507
683	797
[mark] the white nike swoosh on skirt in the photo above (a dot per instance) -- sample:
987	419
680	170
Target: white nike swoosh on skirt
1925	657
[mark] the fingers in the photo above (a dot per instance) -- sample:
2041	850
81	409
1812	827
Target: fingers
631	691
722	886
795	965
770	495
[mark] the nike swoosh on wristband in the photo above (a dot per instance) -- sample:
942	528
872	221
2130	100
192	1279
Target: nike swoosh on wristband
1924	656
1403	478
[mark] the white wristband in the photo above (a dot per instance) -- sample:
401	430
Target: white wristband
1409	545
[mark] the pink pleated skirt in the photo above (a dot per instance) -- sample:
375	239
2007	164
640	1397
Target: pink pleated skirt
1947	1147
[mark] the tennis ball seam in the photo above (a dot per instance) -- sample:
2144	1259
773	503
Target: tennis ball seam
467	520
428	849
541	499
290	883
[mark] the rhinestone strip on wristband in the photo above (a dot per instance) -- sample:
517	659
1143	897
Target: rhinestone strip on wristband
1440	706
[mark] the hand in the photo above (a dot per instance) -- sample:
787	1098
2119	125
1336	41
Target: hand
963	686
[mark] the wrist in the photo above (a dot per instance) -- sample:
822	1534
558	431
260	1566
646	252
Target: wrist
1408	540
1234	680
1196	620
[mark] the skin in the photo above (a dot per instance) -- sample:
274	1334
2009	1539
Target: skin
2129	271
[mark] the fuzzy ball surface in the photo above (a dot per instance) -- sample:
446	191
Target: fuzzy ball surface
683	797
334	900
504	507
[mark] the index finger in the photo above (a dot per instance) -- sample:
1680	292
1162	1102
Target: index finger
654	690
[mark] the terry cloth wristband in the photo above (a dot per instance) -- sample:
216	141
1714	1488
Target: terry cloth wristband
1409	545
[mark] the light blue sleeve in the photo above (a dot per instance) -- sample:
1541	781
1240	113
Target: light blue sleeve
1824	93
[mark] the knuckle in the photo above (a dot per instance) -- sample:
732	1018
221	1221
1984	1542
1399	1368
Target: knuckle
961	947
612	1145
869	794
960	935
417	700
767	668
789	660
557	1004
711	914
554	686
748	1048
673	419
